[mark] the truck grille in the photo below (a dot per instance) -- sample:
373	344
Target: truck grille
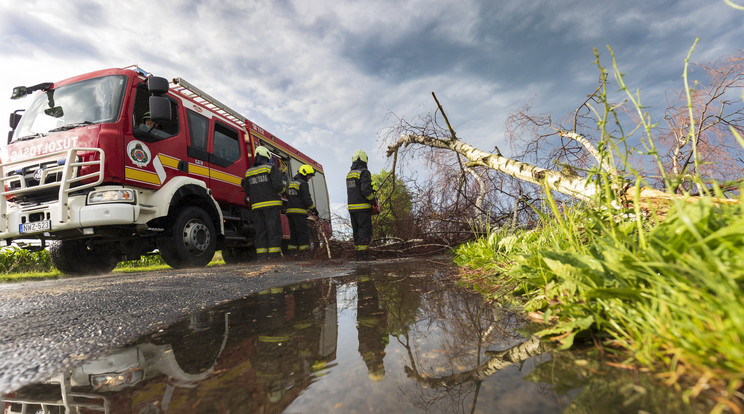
33	176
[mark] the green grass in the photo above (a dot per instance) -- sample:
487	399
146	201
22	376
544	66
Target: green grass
29	276
18	265
671	294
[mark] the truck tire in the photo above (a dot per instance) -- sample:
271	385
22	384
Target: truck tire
76	258
234	255
190	240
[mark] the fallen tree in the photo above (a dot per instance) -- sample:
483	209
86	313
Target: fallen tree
566	181
697	126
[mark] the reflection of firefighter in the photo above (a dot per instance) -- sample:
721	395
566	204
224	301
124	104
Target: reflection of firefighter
274	356
257	355
371	328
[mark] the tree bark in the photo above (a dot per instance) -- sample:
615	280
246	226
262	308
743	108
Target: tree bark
569	184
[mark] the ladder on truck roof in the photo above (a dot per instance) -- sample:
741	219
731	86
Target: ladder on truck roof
197	95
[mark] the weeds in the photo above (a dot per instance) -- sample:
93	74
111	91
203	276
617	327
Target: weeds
667	290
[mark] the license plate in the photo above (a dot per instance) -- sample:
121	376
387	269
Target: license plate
36	227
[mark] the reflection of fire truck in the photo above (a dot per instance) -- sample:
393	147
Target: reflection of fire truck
92	386
254	355
118	163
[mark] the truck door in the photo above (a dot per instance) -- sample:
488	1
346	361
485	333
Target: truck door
215	156
155	150
227	162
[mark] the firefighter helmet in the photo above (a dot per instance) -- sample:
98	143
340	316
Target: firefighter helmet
359	156
307	170
262	151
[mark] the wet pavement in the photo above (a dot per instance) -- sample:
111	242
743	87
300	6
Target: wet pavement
389	338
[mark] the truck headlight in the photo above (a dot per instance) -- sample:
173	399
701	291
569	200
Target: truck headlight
111	196
116	380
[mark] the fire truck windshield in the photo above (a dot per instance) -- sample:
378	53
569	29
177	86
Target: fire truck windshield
91	101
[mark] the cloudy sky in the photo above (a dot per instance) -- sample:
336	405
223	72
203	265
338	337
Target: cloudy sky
326	75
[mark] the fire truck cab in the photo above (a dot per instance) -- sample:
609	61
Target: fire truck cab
115	164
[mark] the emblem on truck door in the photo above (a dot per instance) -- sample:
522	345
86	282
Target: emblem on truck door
138	153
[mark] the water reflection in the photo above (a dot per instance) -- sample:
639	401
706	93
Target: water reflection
389	339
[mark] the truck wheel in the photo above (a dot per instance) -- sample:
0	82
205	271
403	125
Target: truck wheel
190	240
74	257
233	255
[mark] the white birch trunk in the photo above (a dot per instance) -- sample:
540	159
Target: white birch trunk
571	185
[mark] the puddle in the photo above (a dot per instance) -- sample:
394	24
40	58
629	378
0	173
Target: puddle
387	340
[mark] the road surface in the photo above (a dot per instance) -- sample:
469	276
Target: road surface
50	325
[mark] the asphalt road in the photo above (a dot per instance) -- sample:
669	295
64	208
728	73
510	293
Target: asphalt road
47	326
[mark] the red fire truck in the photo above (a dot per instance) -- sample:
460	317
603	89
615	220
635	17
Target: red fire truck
118	163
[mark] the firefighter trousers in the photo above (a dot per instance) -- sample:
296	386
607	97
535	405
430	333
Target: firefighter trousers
268	231
299	234
361	226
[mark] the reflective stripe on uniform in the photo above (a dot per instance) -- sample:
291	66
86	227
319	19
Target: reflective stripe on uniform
296	211
361	247
264	204
364	206
258	170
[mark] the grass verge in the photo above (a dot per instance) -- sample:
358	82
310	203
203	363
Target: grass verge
670	295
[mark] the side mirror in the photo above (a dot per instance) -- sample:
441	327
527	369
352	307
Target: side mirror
160	109
157	85
19	92
15	118
55	112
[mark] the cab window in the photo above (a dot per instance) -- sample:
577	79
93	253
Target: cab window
145	128
226	147
198	133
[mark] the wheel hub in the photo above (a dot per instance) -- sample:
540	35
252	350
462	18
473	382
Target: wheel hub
196	237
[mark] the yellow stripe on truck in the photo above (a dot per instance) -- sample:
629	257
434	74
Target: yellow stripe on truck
228	178
142	176
168	161
199	170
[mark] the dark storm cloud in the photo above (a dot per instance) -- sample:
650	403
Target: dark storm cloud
515	44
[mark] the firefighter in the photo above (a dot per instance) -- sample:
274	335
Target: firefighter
263	184
152	127
361	201
299	204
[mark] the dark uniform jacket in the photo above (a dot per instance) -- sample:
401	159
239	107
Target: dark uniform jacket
299	198
263	184
361	196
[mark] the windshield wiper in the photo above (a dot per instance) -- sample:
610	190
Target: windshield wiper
73	125
28	137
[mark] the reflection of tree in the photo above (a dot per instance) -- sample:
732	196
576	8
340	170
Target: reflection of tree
464	326
499	360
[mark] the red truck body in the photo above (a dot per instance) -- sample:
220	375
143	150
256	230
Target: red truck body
84	169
